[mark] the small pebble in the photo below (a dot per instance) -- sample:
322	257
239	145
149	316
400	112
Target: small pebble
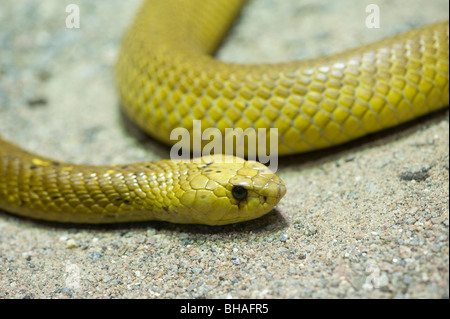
71	243
437	220
350	158
311	231
196	270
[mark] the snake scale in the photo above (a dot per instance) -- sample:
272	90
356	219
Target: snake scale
167	78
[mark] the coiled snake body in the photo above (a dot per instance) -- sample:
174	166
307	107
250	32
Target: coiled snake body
167	78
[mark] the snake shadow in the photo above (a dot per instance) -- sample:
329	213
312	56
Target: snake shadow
271	222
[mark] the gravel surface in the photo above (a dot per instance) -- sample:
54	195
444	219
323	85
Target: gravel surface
369	219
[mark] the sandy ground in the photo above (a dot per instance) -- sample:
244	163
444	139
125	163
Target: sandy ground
369	219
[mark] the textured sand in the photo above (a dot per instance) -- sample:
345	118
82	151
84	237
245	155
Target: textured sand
367	220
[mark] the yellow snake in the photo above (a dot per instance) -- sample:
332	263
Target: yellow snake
167	78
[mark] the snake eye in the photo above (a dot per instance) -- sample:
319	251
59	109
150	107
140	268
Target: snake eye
239	192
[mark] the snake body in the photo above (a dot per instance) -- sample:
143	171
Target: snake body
167	79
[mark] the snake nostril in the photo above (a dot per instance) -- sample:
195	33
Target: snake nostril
281	190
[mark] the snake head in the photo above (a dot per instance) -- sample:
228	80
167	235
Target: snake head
227	189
